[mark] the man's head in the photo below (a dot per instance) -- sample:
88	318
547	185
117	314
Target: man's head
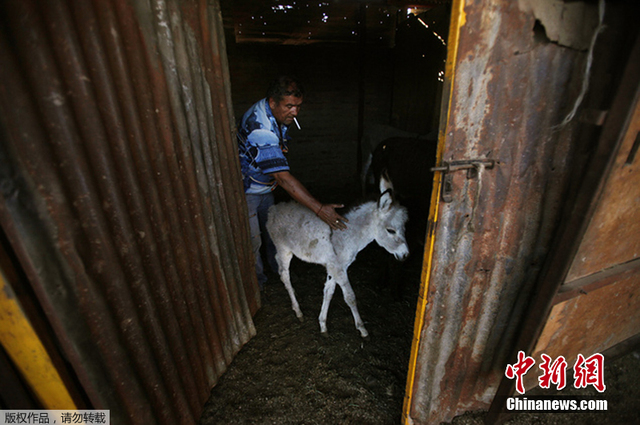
285	98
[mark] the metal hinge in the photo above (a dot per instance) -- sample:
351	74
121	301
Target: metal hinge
471	165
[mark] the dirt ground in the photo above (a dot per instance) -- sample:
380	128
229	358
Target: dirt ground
290	374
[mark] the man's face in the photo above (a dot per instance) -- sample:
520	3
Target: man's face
286	110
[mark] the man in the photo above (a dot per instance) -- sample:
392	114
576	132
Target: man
262	142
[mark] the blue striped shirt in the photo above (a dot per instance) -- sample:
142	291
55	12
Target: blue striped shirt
261	145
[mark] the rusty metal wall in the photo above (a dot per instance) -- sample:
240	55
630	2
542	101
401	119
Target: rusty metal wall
511	89
122	197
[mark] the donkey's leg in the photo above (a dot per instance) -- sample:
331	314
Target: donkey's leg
350	299
329	289
284	261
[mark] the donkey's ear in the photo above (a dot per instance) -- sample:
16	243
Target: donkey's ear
385	182
386	192
385	200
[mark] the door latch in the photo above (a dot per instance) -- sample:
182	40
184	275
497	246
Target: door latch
470	165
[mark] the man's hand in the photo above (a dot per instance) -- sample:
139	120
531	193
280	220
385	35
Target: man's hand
328	214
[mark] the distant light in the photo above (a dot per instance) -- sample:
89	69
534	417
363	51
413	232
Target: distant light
416	10
444	43
434	33
281	7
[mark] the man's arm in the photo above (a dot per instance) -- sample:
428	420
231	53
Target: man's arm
326	212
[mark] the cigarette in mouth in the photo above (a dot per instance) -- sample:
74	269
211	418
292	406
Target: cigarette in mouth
296	121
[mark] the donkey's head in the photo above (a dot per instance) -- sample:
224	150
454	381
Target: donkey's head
391	218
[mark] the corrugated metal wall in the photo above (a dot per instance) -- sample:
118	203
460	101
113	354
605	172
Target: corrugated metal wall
511	89
122	197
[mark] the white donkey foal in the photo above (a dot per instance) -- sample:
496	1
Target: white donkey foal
296	230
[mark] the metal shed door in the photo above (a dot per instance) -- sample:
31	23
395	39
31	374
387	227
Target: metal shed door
506	93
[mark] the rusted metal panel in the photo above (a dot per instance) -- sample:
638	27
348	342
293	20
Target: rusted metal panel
507	98
122	196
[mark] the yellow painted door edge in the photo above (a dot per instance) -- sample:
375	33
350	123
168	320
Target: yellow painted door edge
458	19
22	344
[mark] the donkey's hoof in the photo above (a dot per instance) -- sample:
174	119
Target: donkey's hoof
301	319
325	334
